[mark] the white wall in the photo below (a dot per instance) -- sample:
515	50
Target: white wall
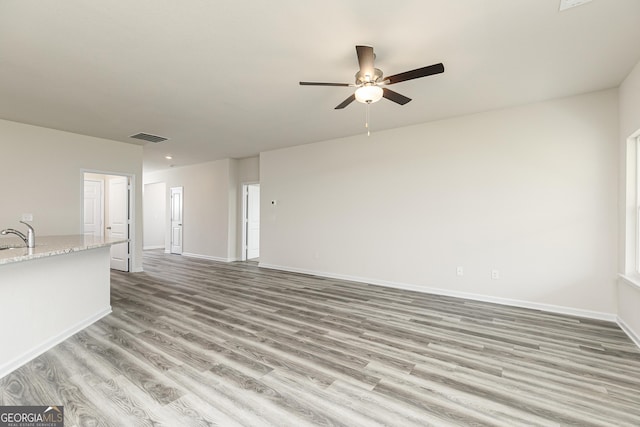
530	191
212	205
249	170
206	207
41	173
629	291
155	202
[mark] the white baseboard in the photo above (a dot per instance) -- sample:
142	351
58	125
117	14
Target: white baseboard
627	330
209	257
147	248
14	364
438	291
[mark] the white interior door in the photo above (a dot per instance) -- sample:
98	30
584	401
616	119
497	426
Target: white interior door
119	221
253	221
93	210
176	220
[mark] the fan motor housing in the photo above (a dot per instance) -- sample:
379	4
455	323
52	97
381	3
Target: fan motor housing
365	78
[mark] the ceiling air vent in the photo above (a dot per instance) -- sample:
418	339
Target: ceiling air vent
148	137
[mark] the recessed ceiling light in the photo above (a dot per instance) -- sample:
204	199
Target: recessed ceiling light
568	4
168	157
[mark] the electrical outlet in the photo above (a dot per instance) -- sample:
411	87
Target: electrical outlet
495	274
27	217
460	271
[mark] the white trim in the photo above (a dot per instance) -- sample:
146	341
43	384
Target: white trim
209	257
611	317
631	279
627	330
14	364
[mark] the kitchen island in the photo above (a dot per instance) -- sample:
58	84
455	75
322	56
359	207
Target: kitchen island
50	292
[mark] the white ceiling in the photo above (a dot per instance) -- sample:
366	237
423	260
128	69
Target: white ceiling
220	78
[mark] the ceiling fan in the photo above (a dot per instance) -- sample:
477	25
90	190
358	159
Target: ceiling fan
370	79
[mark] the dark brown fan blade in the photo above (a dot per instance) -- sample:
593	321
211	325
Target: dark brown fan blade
365	59
323	84
394	96
346	102
415	74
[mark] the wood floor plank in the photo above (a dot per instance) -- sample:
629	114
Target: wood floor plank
193	342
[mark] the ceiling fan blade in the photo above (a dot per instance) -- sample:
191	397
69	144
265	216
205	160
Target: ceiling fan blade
415	74
323	84
346	102
365	60
394	96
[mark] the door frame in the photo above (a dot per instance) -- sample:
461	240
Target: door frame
132	210
245	208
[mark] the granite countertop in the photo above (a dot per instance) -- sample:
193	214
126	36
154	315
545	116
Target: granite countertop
51	245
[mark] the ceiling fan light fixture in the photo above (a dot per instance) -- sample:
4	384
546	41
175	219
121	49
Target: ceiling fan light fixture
369	79
369	94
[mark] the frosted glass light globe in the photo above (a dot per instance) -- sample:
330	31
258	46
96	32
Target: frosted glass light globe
369	94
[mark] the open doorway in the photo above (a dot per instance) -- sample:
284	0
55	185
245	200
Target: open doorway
251	222
154	214
107	204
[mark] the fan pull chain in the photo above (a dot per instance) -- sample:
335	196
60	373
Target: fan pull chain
366	125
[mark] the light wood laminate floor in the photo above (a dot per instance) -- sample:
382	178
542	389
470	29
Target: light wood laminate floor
198	343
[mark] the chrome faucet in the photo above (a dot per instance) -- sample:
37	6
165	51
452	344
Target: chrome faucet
29	239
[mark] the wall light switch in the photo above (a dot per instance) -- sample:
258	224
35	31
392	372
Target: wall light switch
27	217
495	274
460	271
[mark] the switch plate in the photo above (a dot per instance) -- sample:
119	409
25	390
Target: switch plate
460	271
27	217
495	274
